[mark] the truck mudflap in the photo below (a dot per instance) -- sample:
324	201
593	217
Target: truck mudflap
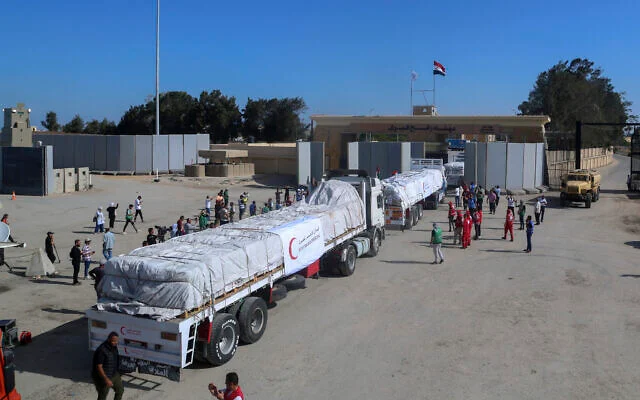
130	364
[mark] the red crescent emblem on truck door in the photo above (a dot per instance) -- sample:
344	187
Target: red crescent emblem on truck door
291	249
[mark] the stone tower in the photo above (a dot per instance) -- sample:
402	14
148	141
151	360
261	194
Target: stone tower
17	127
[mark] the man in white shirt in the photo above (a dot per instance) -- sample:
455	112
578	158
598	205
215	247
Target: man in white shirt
138	206
543	206
538	210
458	191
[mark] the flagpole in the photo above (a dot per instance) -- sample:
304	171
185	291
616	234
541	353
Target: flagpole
434	90
411	97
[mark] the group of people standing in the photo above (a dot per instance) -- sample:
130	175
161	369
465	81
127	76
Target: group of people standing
131	216
466	214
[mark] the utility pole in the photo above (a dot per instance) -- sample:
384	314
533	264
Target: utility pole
578	143
157	67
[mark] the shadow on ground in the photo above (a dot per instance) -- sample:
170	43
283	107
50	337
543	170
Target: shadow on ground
634	243
63	353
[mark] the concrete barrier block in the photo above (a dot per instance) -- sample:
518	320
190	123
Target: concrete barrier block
82	176
58	175
196	170
70	179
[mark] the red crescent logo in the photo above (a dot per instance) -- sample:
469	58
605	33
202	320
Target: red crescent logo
122	330
291	249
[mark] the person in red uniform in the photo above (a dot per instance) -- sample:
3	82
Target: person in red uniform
231	392
452	216
466	230
508	225
457	232
477	222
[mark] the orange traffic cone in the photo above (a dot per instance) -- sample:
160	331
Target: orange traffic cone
13	195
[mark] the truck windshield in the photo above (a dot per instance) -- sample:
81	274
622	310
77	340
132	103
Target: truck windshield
578	178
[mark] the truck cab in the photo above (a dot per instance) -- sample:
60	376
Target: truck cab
581	185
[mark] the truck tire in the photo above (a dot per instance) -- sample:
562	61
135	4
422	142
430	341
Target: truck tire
408	223
224	339
420	211
376	242
278	292
252	319
348	266
587	201
235	307
596	195
414	214
295	282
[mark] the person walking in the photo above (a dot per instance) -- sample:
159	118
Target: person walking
253	208
128	219
151	237
472	202
511	204
99	217
498	191
457	231
508	225
225	197
138	203
522	210
452	216
180	226
543	206
76	256
529	233
538	210
466	230
49	247
436	243
202	220
477	222
218	204
231	392
242	207
207	205
458	193
465	198
479	196
87	252
108	241
111	213
97	274
232	212
491	197
105	373
189	227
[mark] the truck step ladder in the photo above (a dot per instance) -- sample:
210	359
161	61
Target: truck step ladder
191	344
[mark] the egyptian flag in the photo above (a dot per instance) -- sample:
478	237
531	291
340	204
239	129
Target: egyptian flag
438	69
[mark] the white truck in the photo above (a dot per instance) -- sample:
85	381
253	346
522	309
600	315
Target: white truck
195	296
409	193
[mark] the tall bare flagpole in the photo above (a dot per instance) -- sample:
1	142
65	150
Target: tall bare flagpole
157	67
411	98
434	90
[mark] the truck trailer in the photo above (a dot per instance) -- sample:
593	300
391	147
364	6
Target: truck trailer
195	296
407	194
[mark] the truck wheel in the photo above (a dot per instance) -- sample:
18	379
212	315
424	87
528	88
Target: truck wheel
408	223
587	201
376	242
295	282
414	213
224	339
596	195
233	310
252	319
420	211
348	266
278	292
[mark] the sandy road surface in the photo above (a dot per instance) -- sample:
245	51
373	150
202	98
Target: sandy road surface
491	322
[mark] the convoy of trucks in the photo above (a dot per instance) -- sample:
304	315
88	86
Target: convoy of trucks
196	296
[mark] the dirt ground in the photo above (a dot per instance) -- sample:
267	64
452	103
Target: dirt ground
491	322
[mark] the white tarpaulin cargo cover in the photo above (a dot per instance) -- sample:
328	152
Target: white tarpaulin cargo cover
410	187
164	280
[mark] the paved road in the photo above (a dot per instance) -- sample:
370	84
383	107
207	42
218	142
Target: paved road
491	322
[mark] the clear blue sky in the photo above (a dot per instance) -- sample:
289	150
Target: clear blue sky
342	57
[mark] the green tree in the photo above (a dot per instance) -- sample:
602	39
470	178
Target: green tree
104	127
219	116
76	125
178	114
576	90
51	122
275	120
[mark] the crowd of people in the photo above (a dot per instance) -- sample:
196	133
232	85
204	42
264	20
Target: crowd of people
466	215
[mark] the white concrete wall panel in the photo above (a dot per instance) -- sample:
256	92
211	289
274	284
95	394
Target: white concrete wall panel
481	156
405	156
515	165
176	153
540	164
202	141
496	164
529	172
113	153
100	153
50	176
144	154
470	162
353	154
127	153
190	149
161	153
303	173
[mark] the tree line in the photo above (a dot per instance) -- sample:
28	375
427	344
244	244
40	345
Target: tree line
573	91
269	120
